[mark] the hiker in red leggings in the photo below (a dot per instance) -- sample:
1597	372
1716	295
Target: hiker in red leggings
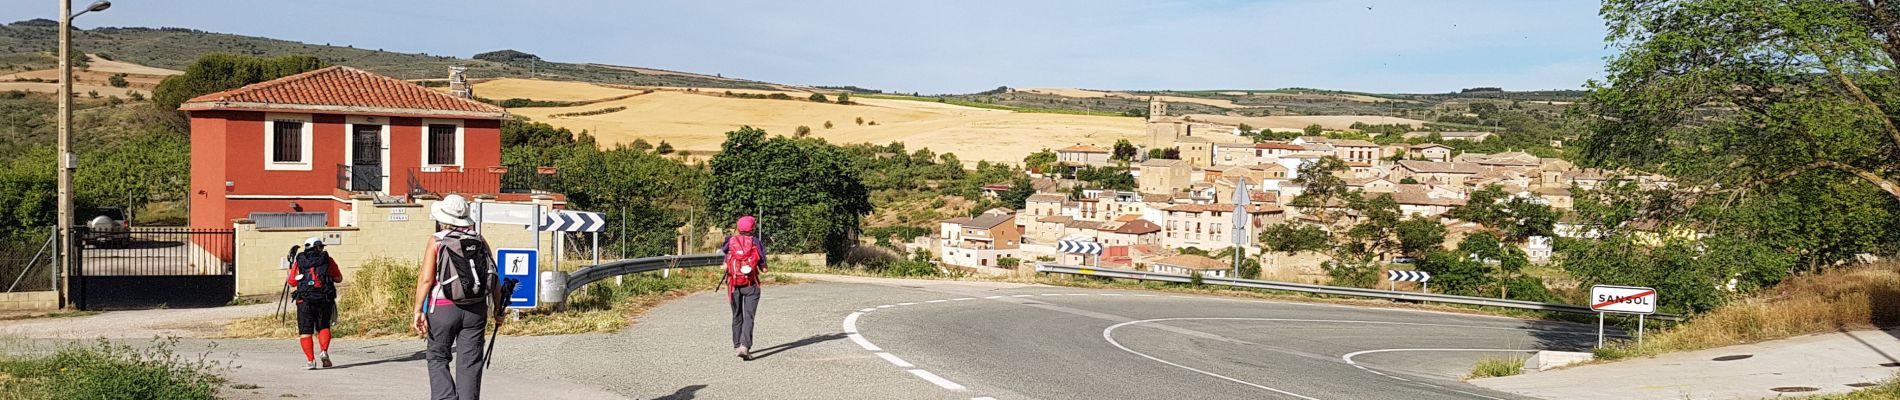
315	276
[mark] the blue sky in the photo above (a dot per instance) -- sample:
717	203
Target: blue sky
964	45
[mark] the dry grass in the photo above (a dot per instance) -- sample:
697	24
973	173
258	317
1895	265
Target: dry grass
1844	299
697	122
378	302
1492	367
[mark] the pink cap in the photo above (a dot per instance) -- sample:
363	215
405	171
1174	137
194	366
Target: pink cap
746	223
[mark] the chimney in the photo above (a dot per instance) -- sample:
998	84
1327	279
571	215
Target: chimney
458	85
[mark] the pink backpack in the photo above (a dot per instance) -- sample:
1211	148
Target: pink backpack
742	261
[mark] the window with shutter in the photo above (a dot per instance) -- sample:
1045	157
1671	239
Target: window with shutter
287	146
442	144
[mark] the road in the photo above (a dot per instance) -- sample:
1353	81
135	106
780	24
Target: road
848	337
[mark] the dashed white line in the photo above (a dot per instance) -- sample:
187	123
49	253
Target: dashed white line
933	378
899	362
868	309
885	306
965	298
906	304
936	301
996	297
1020	295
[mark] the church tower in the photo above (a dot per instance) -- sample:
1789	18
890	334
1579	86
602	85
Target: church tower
1156	109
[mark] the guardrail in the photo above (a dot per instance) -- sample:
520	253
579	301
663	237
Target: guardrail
582	277
1332	290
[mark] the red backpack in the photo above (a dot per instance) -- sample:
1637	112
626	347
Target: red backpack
742	254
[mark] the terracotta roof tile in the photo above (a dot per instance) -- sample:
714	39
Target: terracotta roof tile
344	90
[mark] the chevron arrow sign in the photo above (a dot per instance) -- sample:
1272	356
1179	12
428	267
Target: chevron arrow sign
1078	247
1407	276
573	221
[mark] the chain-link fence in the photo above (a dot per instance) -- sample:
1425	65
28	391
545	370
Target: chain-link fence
27	261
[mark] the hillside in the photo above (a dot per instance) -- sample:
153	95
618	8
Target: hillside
697	121
25	44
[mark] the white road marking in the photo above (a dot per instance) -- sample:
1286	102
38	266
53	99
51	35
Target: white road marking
906	304
866	344
997	297
936	301
1109	335
885	306
933	378
966	298
1020	295
899	362
1348	357
851	322
868	309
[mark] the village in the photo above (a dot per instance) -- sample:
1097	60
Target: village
1188	202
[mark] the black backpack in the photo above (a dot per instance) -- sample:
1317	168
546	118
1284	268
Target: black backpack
314	281
464	270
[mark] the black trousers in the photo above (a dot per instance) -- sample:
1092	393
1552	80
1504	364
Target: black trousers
315	315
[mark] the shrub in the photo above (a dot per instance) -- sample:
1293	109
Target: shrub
104	370
827	124
1492	367
819	97
860	120
802	131
118	81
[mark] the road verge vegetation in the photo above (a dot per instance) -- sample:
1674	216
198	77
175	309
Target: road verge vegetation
1848	298
1493	367
104	370
377	302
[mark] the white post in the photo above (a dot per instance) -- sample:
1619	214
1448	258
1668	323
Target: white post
1639	328
1599	329
535	227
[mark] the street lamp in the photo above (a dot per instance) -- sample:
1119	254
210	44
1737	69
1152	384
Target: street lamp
67	161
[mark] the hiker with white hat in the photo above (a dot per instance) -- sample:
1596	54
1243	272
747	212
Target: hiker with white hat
314	276
456	290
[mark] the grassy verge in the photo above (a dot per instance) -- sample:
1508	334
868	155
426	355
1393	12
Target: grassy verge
1492	367
50	314
102	370
378	302
1851	298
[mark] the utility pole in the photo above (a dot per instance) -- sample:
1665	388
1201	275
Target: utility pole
67	161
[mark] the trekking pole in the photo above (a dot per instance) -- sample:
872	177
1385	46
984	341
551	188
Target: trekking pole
507	289
283	294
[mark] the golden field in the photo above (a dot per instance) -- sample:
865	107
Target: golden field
697	121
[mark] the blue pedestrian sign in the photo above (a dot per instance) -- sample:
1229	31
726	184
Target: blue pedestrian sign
523	266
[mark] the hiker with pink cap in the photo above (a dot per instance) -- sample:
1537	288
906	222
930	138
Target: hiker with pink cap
745	261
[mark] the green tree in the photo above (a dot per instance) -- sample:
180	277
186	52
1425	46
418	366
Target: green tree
1517	217
663	148
218	72
1420	235
78	60
1040	161
1314	130
1124	151
844	98
1018	194
820	97
1292	237
117	81
1323	190
809	190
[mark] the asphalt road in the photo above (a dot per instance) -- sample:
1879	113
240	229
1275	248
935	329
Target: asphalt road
870	338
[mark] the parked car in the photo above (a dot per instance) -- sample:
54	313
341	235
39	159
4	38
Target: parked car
108	227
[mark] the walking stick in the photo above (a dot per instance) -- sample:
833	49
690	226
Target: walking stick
507	289
283	294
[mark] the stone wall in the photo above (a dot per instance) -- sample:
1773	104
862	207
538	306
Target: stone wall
29	301
395	231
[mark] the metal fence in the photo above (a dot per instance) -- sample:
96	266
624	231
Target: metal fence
27	260
290	219
154	252
1331	290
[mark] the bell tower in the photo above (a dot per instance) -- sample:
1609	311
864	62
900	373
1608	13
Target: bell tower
1156	109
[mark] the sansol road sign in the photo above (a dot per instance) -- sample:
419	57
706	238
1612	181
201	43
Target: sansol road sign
1623	299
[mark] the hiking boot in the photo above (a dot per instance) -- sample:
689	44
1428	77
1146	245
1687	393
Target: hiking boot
325	358
310	365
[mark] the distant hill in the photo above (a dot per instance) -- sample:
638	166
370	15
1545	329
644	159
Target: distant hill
24	44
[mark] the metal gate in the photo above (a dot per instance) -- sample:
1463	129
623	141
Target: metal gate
145	268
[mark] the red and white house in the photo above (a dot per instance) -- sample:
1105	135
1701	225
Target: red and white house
309	142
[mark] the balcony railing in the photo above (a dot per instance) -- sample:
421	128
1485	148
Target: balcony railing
491	180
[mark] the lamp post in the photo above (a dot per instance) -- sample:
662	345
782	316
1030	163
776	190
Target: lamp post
67	161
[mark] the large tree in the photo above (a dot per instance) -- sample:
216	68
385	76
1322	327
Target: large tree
219	72
806	191
1735	95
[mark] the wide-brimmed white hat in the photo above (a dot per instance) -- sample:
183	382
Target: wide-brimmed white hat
313	241
452	210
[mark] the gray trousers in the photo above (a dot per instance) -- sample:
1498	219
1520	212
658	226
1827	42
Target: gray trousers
745	306
455	333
